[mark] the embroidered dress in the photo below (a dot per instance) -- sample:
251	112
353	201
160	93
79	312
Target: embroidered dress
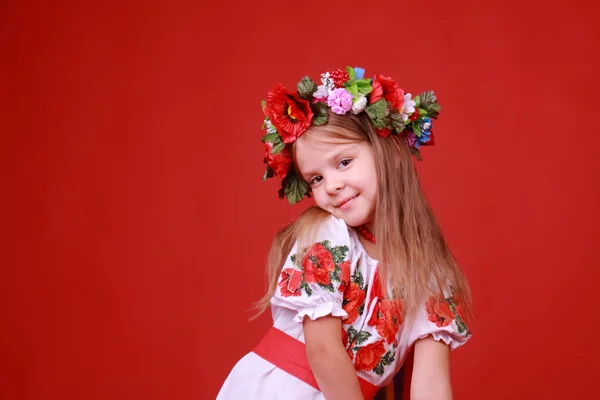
337	277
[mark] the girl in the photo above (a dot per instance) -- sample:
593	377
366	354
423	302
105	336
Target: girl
366	276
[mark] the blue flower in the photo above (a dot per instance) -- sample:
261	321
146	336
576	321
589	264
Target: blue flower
360	72
425	124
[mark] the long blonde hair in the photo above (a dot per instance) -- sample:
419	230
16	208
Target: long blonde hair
414	258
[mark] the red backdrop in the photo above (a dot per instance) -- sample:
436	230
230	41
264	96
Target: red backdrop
136	225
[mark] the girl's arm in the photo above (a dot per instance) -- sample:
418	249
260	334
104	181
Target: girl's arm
431	371
328	359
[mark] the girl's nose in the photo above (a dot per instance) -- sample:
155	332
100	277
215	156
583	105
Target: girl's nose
334	185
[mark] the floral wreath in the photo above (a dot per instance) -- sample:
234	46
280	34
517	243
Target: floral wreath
390	110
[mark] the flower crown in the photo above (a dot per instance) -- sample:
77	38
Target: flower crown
390	110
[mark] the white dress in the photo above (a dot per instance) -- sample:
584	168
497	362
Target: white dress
336	276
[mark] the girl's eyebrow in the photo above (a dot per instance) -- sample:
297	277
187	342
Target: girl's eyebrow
334	156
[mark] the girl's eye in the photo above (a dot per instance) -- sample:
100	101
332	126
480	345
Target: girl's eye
316	180
345	162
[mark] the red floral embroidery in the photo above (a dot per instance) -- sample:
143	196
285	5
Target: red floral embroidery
290	281
438	311
389	324
354	297
345	343
317	264
387	315
367	357
345	275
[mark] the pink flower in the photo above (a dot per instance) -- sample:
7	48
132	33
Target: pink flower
340	101
411	139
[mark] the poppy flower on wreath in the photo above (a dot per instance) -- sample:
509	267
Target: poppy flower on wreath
280	162
290	114
388	89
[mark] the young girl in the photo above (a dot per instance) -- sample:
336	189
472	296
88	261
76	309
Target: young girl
358	282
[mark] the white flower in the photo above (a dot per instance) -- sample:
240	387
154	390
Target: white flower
270	127
359	104
322	92
327	81
409	107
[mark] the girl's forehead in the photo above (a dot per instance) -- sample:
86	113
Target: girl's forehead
323	146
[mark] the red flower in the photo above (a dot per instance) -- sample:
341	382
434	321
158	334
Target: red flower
354	297
389	324
367	357
290	282
317	264
388	89
290	114
439	312
280	162
383	132
345	275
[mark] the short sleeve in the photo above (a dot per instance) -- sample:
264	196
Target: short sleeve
312	282
442	318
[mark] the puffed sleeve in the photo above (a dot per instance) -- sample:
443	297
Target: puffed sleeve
312	283
440	317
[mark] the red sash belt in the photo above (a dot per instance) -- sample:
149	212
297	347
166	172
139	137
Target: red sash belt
289	354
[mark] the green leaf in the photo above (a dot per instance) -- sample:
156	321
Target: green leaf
362	337
416	128
361	309
294	187
306	88
422	112
353	89
378	110
417	100
429	103
263	104
277	148
433	110
352	333
427	98
271	138
380	123
269	173
351	73
397	121
338	253
388	358
357	278
320	111
329	287
415	152
378	369
364	86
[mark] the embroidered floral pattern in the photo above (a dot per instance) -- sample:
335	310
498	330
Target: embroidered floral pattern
388	315
322	265
324	272
290	281
354	297
442	311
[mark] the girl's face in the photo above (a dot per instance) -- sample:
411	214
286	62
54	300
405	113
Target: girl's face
342	177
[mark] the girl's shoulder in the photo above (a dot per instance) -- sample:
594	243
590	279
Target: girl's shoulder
317	225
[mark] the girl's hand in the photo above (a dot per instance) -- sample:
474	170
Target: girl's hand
328	359
431	371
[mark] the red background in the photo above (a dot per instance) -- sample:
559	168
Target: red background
136	225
